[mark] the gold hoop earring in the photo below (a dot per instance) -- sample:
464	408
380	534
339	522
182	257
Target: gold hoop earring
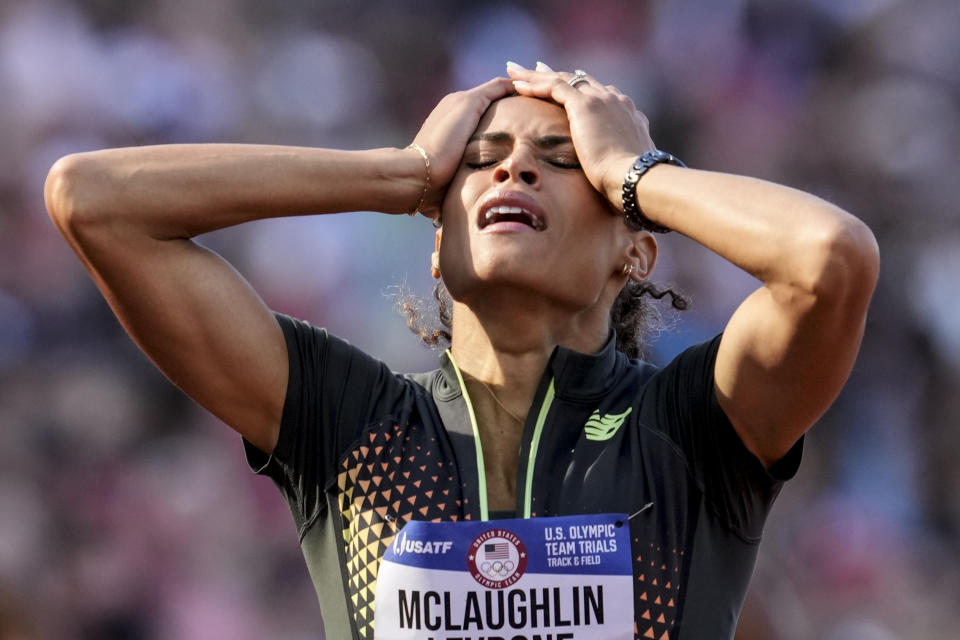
627	269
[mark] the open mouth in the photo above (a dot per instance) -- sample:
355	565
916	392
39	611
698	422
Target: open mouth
511	214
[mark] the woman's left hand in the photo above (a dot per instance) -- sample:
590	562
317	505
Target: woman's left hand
607	129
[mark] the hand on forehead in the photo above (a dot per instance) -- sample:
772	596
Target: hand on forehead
517	115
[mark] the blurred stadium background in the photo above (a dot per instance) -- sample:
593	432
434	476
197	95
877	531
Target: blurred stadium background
128	513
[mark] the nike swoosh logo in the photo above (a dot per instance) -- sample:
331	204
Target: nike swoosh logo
600	428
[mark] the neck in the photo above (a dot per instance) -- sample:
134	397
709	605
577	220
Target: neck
502	356
509	351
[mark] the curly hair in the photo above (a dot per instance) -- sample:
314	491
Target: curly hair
632	315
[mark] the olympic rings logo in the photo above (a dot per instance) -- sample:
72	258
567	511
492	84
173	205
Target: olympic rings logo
497	569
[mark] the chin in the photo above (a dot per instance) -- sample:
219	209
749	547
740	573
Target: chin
497	277
515	286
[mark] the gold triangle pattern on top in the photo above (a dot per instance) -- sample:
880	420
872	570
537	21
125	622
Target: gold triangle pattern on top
395	474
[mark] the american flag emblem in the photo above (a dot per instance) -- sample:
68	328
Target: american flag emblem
497	551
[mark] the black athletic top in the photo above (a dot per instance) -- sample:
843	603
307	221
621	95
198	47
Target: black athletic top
362	451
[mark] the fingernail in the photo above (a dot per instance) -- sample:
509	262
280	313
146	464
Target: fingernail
513	65
542	66
521	84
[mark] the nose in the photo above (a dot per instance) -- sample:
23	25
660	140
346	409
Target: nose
519	166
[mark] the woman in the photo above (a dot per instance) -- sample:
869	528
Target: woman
533	412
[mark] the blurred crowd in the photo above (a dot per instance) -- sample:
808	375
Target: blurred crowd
127	513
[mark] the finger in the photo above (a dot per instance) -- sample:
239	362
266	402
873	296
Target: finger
517	72
580	78
552	86
577	79
494	89
557	86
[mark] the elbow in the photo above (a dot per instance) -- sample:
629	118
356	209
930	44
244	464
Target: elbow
845	264
61	192
69	193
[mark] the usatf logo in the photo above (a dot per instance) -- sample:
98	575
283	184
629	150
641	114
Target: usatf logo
497	558
600	428
401	545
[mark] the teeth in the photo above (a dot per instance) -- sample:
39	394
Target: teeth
505	210
492	211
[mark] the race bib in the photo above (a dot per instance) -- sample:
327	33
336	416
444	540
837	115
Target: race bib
563	578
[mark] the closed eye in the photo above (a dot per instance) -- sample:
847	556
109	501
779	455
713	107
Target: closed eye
565	164
481	164
559	163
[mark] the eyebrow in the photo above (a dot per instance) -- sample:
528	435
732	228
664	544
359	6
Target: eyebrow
544	142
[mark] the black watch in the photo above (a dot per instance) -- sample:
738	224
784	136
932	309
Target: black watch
631	212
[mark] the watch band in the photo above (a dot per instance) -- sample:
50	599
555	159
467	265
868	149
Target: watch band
631	211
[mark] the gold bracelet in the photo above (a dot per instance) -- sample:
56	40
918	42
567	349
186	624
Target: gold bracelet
426	184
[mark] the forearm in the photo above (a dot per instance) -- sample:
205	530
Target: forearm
179	191
780	235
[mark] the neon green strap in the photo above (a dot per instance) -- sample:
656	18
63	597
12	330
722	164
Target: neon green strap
532	457
481	472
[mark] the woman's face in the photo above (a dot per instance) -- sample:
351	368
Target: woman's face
520	213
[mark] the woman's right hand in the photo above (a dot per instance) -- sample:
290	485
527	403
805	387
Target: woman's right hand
445	132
